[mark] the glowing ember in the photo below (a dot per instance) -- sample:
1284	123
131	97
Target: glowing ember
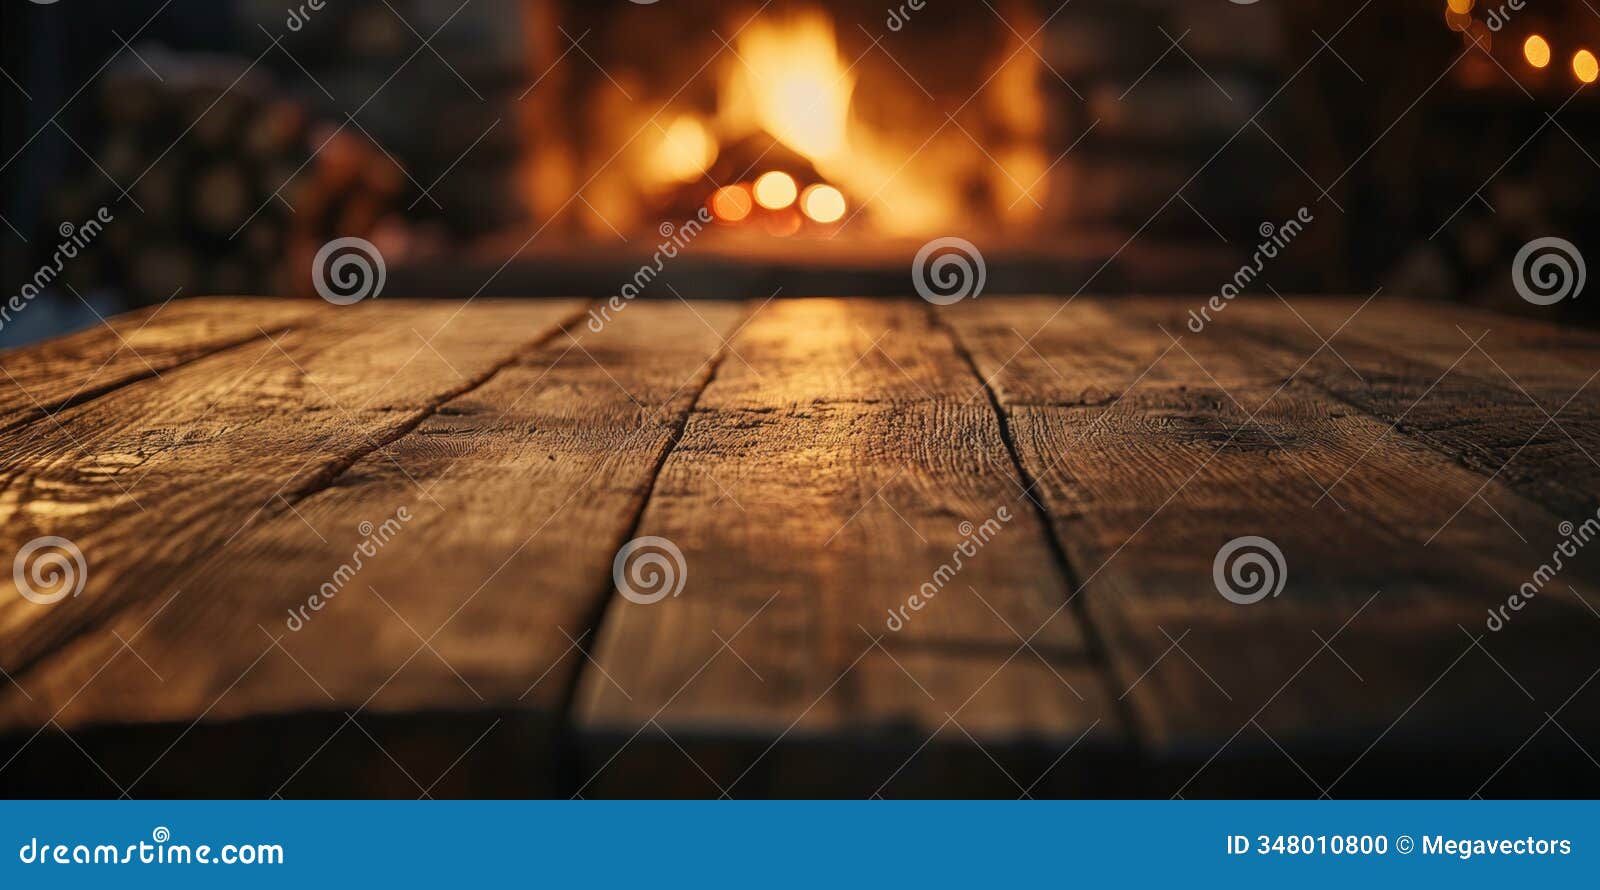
731	203
823	203
776	190
783	223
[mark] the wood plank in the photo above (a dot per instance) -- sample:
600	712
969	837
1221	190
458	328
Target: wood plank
1490	407
532	481
1150	463
825	477
150	480
49	376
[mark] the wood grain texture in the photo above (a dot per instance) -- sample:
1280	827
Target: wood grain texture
175	468
518	493
822	481
1513	399
42	380
814	461
1153	453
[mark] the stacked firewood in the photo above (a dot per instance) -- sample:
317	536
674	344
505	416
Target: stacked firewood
216	183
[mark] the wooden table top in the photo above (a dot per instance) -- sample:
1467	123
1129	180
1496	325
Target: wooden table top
886	548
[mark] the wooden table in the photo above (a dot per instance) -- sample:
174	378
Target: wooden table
1052	480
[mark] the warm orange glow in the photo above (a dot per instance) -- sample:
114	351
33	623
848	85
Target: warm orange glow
784	223
1585	66
823	203
1536	50
685	151
776	190
1460	7
791	82
731	203
802	93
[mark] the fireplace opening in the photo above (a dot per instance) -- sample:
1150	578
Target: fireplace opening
792	121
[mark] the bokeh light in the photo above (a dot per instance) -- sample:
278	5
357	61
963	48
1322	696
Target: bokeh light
776	190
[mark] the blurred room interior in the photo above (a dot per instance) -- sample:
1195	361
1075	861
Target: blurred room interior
536	148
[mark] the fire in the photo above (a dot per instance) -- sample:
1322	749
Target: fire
776	190
789	81
685	151
794	136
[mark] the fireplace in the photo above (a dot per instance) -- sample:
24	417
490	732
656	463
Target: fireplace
786	120
817	147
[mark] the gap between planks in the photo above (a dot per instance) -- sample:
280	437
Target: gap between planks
607	591
1073	580
331	473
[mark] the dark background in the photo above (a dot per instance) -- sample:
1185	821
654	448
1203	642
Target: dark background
1427	154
